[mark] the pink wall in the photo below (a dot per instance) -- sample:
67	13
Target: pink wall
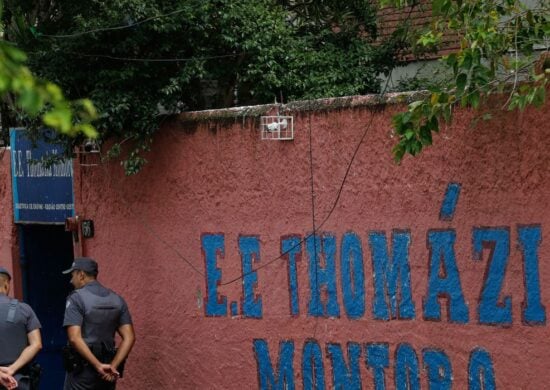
216	179
7	233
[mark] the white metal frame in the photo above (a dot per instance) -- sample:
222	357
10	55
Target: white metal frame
277	128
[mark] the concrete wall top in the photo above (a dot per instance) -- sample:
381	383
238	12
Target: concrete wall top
315	105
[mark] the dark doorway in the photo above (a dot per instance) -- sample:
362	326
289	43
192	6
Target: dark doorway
46	250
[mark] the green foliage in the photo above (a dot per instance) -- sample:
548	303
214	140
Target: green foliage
498	42
37	97
140	59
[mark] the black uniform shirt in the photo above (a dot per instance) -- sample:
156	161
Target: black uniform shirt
13	335
96	327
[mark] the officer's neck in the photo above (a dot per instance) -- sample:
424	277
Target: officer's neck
88	281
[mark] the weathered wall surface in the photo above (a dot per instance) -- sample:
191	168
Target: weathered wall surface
465	301
7	238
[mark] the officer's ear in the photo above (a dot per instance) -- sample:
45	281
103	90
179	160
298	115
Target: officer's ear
4	283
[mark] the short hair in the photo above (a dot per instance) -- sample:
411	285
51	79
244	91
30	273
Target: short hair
90	274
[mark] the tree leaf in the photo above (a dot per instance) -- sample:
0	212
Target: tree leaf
461	81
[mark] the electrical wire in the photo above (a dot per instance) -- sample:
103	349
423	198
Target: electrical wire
154	59
314	232
147	227
340	189
153	232
121	27
335	203
315	228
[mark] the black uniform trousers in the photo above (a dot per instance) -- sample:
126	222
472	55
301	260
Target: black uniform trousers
86	379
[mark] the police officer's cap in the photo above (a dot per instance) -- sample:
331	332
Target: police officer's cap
5	272
86	264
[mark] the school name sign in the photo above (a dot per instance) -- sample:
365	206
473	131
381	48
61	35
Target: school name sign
336	267
42	193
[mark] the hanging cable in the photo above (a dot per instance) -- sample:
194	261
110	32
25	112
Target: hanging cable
154	59
121	27
143	223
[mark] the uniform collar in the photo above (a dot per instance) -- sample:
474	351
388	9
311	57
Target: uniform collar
91	284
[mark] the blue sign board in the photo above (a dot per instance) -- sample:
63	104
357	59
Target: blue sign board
42	193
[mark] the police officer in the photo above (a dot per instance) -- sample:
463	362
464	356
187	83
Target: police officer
20	338
93	315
